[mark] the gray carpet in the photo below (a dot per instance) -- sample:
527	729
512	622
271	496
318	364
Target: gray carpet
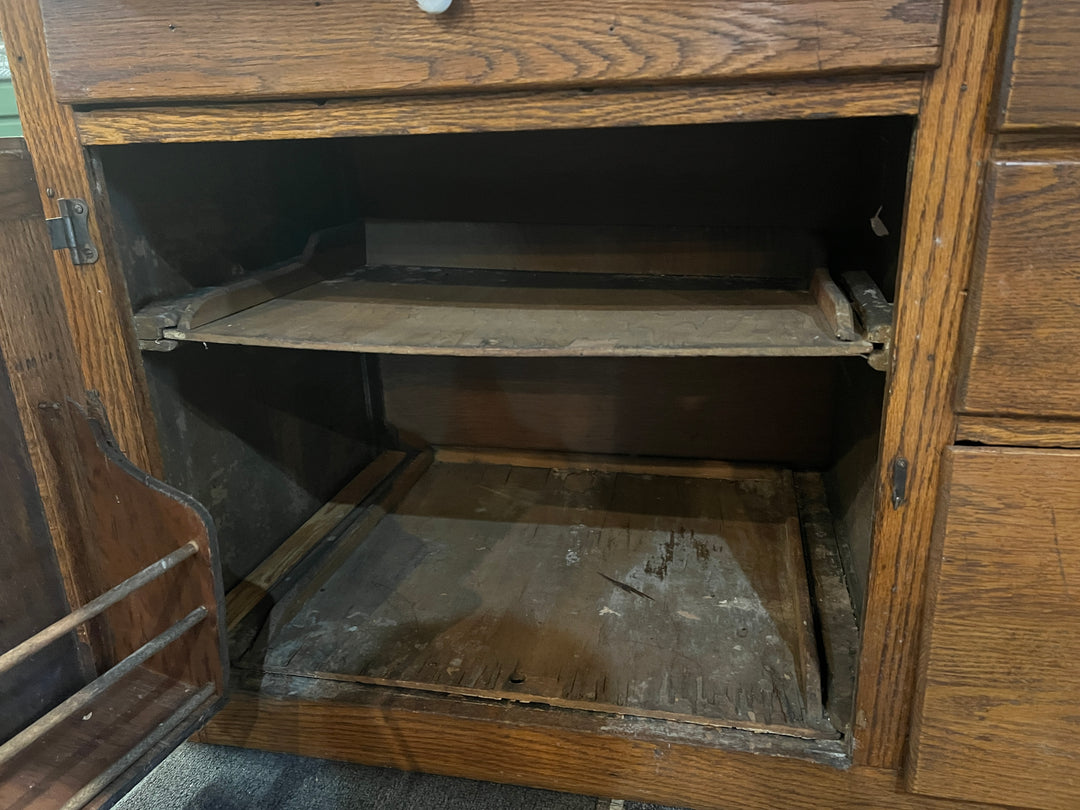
210	777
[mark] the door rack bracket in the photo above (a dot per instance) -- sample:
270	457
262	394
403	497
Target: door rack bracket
71	231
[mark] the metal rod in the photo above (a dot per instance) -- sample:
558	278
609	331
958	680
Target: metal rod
91	609
93	689
166	727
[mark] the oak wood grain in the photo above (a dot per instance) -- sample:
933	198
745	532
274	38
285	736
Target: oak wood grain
201	50
1018	432
850	97
1041	85
1022	341
995	717
94	300
951	143
553	749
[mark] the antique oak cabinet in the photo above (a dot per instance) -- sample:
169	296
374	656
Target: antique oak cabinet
671	401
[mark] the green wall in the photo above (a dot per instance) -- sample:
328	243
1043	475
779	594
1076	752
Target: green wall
9	115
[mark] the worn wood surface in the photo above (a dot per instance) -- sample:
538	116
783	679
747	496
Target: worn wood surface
489	112
559	750
1041	86
42	368
645	593
1022	333
835	613
768	409
134	520
485	313
31	586
1018	432
202	51
54	769
242	598
951	145
995	718
94	300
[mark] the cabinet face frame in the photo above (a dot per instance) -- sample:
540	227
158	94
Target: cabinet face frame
942	201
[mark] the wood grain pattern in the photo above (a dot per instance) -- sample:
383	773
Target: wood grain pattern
651	595
1041	83
203	51
995	718
94	300
55	768
558	750
952	142
242	598
1017	432
491	112
776	410
457	313
1022	342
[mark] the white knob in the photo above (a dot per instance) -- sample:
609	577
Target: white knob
434	6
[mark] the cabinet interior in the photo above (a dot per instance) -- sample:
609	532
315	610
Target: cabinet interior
561	417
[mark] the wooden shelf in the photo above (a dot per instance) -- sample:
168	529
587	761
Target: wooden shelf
403	310
661	589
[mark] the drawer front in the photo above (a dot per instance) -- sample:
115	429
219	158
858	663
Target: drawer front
146	50
997	717
1022	340
1042	79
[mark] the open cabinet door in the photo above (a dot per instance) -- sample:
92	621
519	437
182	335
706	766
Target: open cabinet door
111	639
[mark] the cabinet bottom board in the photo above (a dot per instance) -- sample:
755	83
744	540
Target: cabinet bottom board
679	595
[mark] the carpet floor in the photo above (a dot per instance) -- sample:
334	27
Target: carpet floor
211	777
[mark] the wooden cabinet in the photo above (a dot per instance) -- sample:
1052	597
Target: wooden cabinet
594	440
995	718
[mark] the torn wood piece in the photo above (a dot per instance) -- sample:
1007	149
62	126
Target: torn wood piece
875	315
833	304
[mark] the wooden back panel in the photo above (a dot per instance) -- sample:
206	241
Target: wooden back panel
995	719
737	409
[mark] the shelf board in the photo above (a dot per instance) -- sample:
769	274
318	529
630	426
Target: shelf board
470	312
651	588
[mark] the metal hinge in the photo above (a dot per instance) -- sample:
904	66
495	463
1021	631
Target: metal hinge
899	481
71	231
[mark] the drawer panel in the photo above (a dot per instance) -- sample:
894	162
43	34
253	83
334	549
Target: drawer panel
1042	82
996	715
1022	340
101	51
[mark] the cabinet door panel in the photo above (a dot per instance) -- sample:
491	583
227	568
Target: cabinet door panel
997	717
148	666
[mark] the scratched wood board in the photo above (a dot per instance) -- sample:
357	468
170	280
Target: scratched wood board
656	595
391	311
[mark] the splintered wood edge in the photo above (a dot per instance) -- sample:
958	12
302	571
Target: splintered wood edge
500	696
808	666
883	95
837	627
246	595
685	468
